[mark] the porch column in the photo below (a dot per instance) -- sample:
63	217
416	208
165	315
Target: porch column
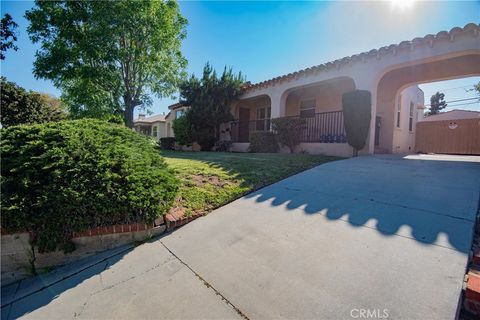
278	101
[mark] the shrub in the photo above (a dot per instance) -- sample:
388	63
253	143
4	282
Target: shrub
263	141
223	146
357	107
289	131
167	143
183	131
69	176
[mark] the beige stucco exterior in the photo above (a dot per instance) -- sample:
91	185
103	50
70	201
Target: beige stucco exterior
409	109
385	72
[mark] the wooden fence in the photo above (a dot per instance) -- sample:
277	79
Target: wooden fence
448	136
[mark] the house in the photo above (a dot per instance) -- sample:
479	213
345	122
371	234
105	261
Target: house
160	125
387	73
390	74
453	115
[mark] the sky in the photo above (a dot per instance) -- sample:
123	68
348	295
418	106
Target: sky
267	39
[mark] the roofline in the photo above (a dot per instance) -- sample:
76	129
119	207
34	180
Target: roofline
374	53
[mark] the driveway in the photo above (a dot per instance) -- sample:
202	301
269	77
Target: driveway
380	236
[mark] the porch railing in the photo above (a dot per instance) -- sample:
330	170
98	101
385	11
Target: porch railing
326	127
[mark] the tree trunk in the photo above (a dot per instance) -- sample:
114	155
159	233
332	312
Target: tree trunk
129	116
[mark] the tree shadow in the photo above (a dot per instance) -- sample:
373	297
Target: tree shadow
432	202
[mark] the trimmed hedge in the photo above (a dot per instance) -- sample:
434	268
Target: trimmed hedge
357	113
167	143
263	141
69	176
289	131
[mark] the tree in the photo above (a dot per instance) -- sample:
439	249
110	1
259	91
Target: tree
108	56
357	113
209	99
7	35
26	107
437	103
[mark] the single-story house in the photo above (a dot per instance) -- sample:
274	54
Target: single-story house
391	75
160	125
456	114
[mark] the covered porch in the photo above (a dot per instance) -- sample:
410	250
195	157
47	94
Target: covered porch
320	104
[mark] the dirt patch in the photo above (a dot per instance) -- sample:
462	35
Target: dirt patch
201	180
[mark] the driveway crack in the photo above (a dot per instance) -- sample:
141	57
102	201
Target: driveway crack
207	284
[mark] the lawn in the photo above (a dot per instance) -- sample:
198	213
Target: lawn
212	179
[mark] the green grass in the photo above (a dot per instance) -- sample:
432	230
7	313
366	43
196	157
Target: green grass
212	179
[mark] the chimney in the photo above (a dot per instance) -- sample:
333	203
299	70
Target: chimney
141	116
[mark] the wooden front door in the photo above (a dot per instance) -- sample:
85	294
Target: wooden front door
243	125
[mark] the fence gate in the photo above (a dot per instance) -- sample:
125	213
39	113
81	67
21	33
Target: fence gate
448	136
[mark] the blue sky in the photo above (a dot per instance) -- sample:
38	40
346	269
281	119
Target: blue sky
267	39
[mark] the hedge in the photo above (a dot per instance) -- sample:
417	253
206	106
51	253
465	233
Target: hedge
70	176
167	143
357	113
263	141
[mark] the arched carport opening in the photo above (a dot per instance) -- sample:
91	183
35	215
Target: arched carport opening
394	81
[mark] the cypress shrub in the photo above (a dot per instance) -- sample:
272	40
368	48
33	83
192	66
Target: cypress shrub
357	106
69	176
263	141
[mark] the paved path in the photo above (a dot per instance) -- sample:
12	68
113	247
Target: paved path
382	233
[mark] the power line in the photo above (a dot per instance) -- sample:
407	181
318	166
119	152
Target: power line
462	104
460	100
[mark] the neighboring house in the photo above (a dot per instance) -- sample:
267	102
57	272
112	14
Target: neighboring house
153	126
160	125
453	115
176	111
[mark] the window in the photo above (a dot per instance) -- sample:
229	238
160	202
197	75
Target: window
410	119
399	107
307	108
263	118
154	131
179	113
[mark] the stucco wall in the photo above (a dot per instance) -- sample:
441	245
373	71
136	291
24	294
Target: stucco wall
328	149
327	96
403	138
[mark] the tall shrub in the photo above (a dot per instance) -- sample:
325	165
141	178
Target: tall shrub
182	129
289	131
209	98
69	176
357	107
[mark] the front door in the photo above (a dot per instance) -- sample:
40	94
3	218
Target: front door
243	125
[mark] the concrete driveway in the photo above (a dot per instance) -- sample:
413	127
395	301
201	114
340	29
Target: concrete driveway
378	237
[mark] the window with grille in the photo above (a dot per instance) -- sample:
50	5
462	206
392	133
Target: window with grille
263	118
307	108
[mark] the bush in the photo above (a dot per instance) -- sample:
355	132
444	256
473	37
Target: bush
223	146
357	107
167	143
289	131
69	176
183	131
263	141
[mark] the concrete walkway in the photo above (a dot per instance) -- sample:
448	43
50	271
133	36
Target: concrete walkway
382	236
